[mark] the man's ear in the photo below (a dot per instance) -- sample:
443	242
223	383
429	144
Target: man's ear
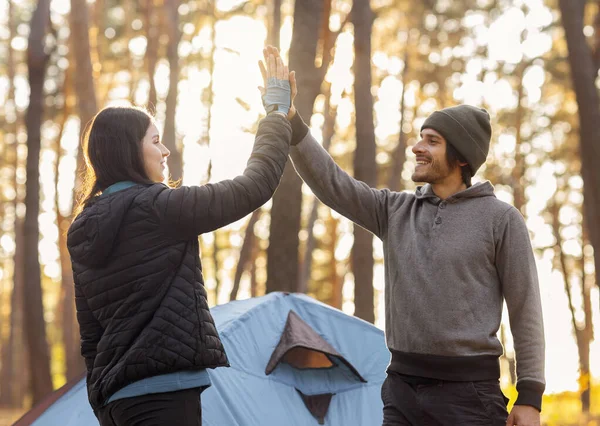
462	164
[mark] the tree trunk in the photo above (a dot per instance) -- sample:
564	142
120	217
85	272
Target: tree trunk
86	107
253	280
583	349
509	359
169	133
152	32
97	32
7	368
399	153
84	77
337	281
245	253
134	71
208	94
309	247
583	74
20	372
365	167
276	25
519	200
330	114
282	254
69	326
586	288
207	98
18	367
15	371
35	325
215	259
518	171
587	335
581	335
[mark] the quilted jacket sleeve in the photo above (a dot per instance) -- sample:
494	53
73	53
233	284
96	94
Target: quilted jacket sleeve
89	328
189	211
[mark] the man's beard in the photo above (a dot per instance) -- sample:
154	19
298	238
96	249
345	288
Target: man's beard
434	173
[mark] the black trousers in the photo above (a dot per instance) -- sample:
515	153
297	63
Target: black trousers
442	403
180	408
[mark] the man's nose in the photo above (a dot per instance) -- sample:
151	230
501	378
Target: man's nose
418	147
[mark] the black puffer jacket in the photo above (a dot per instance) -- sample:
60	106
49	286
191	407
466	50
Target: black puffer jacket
141	302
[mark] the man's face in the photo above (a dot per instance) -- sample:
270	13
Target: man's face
432	165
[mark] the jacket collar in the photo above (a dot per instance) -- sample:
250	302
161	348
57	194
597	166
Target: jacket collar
119	186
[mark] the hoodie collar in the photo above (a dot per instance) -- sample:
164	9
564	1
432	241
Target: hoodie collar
480	189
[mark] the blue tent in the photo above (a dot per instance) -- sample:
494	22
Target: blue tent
294	362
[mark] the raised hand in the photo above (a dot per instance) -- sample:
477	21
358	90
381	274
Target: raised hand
280	87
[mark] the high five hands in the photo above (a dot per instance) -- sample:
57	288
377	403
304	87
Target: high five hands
279	85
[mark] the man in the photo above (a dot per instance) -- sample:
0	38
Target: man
453	252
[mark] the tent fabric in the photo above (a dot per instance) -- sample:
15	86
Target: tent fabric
46	404
71	408
243	395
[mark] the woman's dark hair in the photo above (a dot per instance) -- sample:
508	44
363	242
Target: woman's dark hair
454	158
113	150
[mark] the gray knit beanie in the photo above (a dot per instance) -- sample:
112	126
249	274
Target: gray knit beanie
466	128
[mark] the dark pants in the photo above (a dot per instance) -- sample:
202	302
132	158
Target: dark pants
480	403
180	408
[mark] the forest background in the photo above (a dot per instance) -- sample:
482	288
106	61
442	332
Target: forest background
369	73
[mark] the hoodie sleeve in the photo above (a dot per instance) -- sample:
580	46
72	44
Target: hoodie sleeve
518	274
89	328
189	211
363	205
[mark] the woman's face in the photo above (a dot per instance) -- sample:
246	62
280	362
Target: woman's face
154	154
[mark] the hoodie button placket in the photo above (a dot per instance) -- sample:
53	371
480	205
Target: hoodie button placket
438	218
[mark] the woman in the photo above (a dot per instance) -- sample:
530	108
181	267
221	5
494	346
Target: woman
147	335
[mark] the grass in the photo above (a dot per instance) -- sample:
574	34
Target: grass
564	409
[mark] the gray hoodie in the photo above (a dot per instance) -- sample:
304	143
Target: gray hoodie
449	264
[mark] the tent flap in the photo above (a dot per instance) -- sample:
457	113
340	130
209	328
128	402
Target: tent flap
317	405
302	347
